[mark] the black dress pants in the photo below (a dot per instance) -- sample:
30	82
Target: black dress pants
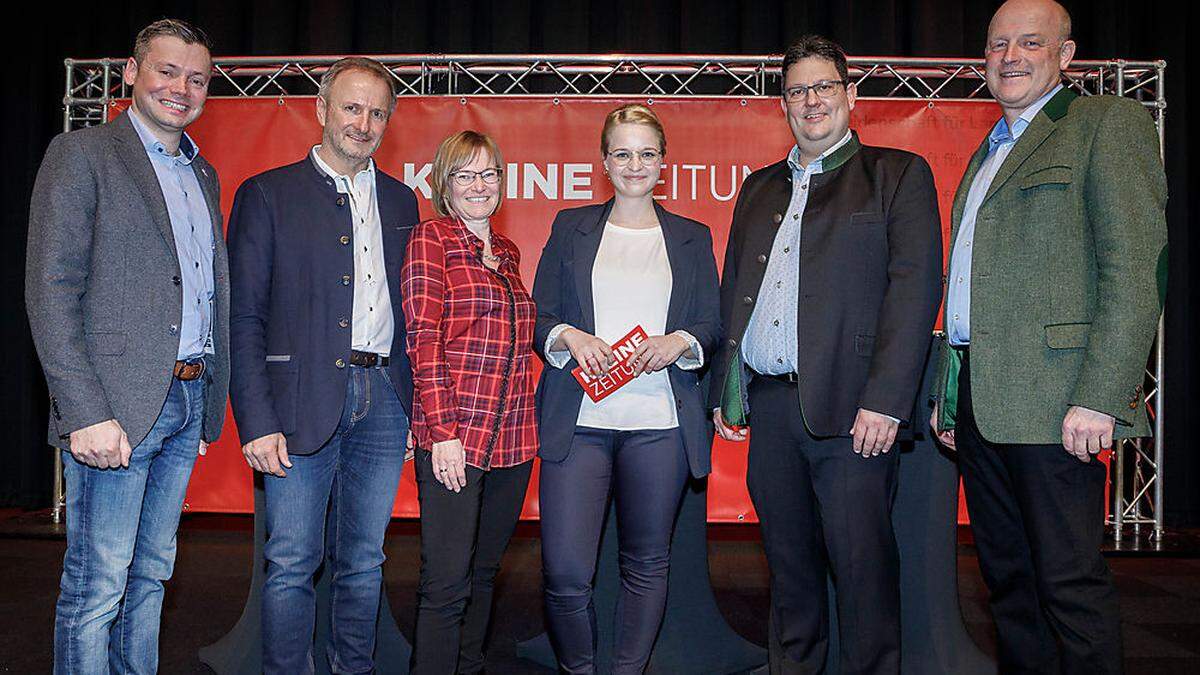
463	536
1037	513
823	510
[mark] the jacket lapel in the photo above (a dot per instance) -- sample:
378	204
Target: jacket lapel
676	237
1036	133
393	243
964	187
587	244
133	154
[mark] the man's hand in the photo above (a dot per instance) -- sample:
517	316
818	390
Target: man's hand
945	437
593	355
103	445
268	454
873	433
450	464
409	446
657	353
1086	432
728	433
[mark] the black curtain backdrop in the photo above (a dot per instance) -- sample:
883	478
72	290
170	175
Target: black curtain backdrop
33	88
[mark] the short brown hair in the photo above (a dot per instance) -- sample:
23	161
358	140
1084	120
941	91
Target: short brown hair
370	66
816	46
632	113
175	28
453	154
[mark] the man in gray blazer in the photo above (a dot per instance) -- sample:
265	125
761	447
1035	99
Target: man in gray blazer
127	292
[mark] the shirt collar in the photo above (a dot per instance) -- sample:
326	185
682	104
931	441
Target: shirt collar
793	158
1001	132
188	150
328	170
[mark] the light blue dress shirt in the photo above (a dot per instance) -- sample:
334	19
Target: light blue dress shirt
958	287
771	343
192	227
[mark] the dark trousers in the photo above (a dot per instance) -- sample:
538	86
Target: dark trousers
1037	513
823	510
463	537
645	471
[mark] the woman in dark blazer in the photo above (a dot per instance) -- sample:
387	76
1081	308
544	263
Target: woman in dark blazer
606	269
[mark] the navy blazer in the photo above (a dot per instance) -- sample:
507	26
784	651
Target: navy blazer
291	265
563	293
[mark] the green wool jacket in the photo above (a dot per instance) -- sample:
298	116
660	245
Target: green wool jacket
1064	299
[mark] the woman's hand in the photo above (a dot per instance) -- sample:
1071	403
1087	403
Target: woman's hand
593	355
450	464
657	353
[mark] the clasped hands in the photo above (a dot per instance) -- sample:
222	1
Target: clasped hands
1085	432
595	356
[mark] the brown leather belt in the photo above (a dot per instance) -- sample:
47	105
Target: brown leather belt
188	370
368	359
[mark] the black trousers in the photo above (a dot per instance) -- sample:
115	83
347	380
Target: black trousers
463	536
645	472
1037	513
823	510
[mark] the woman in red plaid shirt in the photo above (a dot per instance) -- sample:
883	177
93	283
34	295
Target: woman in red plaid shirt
470	333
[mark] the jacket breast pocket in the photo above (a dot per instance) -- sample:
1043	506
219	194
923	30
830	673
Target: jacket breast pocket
1047	177
1067	335
284	376
105	343
866	218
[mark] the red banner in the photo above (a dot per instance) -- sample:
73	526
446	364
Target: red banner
551	151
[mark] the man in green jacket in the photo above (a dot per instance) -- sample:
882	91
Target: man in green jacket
1051	308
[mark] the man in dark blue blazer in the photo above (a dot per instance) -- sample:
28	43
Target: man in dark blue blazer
321	384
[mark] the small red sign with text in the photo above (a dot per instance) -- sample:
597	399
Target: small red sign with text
597	388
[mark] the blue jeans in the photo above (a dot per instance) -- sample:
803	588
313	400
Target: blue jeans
333	507
121	527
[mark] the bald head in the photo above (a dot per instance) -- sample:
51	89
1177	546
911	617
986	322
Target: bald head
1050	15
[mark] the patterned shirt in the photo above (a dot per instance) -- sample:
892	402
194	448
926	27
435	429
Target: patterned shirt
470	338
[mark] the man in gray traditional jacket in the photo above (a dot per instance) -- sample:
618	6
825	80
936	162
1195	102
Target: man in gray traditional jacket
127	292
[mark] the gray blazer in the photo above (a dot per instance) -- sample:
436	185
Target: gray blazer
103	289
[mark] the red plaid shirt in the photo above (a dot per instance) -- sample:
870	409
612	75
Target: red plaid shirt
470	339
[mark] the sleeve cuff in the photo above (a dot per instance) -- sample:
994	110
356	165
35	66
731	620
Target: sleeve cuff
685	362
557	358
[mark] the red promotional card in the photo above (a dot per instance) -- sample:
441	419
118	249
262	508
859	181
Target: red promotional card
620	374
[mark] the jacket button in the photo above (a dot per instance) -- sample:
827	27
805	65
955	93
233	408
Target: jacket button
732	342
341	201
679	404
778	218
340	363
345	279
747	300
175	280
1133	405
762	258
343	322
173	329
345	239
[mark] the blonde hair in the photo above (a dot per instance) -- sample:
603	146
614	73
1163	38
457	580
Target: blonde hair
632	113
453	154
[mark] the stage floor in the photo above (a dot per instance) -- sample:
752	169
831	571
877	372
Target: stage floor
1160	597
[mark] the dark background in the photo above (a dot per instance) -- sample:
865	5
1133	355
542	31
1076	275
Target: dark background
50	32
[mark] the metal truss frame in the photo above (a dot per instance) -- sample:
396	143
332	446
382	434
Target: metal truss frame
1137	479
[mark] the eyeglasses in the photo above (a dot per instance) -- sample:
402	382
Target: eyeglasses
467	178
824	89
646	157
